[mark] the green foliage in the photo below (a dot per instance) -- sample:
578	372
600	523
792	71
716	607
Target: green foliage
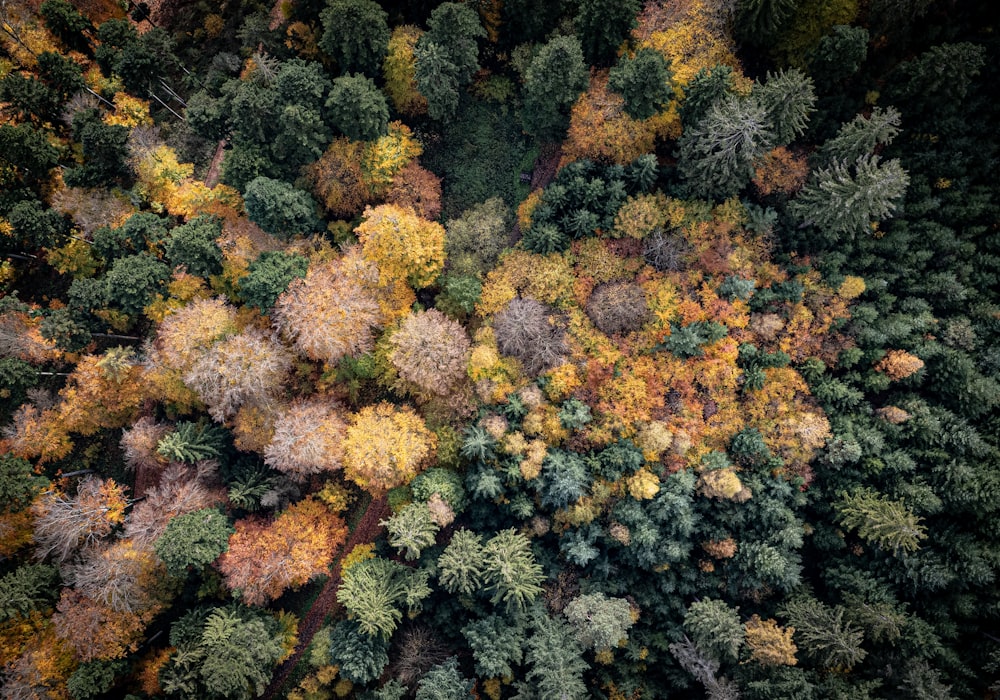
360	656
133	280
66	329
475	240
437	80
843	199
861	136
922	84
280	209
886	523
599	622
28	587
759	21
686	341
139	232
373	591
707	87
603	25
462	564
194	246
444	682
355	35
459	295
839	54
497	643
823	634
715	628
207	115
788	98
511	573
193	540
269	276
574	414
643	81
357	108
444	482
36	226
564	478
94	678
555	660
552	83
104	155
26	155
735	287
16	377
250	483
454	27
32	98
65	22
717	156
412	529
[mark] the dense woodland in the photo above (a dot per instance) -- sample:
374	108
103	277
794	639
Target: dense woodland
499	349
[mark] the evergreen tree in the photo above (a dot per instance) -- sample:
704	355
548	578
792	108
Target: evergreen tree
497	643
838	55
26	588
707	87
603	25
454	28
444	682
788	98
411	529
355	35
462	564
374	590
860	136
193	246
552	84
823	634
511	573
133	280
844	198
269	276
357	108
437	80
555	660
643	81
361	657
599	622
886	523
280	209
715	628
193	540
717	157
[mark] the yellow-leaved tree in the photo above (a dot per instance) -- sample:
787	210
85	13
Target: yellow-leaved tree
386	446
402	245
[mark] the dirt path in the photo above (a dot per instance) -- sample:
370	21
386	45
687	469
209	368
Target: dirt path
326	602
215	168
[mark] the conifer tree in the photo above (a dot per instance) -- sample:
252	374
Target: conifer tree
461	566
823	634
888	524
715	628
860	136
603	25
437	80
355	35
643	81
552	83
357	108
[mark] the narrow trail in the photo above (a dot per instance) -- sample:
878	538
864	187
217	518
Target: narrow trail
212	176
326	602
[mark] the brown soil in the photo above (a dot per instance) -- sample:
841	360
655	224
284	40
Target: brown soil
214	169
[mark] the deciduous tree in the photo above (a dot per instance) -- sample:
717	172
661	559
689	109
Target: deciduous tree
307	440
386	446
402	245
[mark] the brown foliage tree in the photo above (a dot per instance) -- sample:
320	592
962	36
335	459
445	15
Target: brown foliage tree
64	524
307	440
430	353
417	188
265	558
531	332
618	308
94	630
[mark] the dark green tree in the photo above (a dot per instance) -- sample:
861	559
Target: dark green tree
269	276
138	234
355	35
66	328
35	225
552	83
603	25
643	81
455	27
921	85
28	587
280	209
497	644
133	280
357	108
94	679
207	115
29	97
844	199
707	87
16	377
61	74
240	649
194	246
758	22
437	80
555	660
26	156
65	22
193	540
838	55
18	482
105	151
823	634
361	657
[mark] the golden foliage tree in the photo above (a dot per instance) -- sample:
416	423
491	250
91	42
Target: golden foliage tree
899	364
769	644
386	446
402	245
400	71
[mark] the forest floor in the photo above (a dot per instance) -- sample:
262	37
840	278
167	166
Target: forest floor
326	602
215	167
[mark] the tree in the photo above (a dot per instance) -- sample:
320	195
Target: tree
555	660
788	98
32	98
140	232
194	246
64	524
823	633
400	73
430	353
474	241
18	482
307	440
411	529
28	587
839	54
265	558
845	198
444	682
437	79
496	643
529	331
643	81
65	22
454	27
402	245
94	630
603	25
715	628
769	644
860	136
246	368
361	657
357	108
718	155
331	312
920	86
704	669
105	151
386	446
510	571
374	590
238	650
16	377
269	276
886	523
617	308
599	622
133	281
193	540
461	566
552	84
94	679
355	35
279	208
61	73
25	155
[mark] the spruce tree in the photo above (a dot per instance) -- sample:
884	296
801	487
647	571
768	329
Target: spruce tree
643	81
553	82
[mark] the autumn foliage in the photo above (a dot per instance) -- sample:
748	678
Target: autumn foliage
386	446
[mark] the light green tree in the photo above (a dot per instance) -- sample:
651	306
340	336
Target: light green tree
411	529
193	540
859	137
715	628
599	622
886	523
822	632
462	564
375	590
510	571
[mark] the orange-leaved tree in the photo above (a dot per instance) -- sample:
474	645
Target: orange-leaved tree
386	446
267	557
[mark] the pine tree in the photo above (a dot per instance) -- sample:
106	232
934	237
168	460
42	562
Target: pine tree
511	573
555	660
437	80
823	633
788	98
193	540
860	136
444	682
455	27
374	590
600	622
497	643
279	208
845	198
411	529
552	84
357	108
462	564
603	25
